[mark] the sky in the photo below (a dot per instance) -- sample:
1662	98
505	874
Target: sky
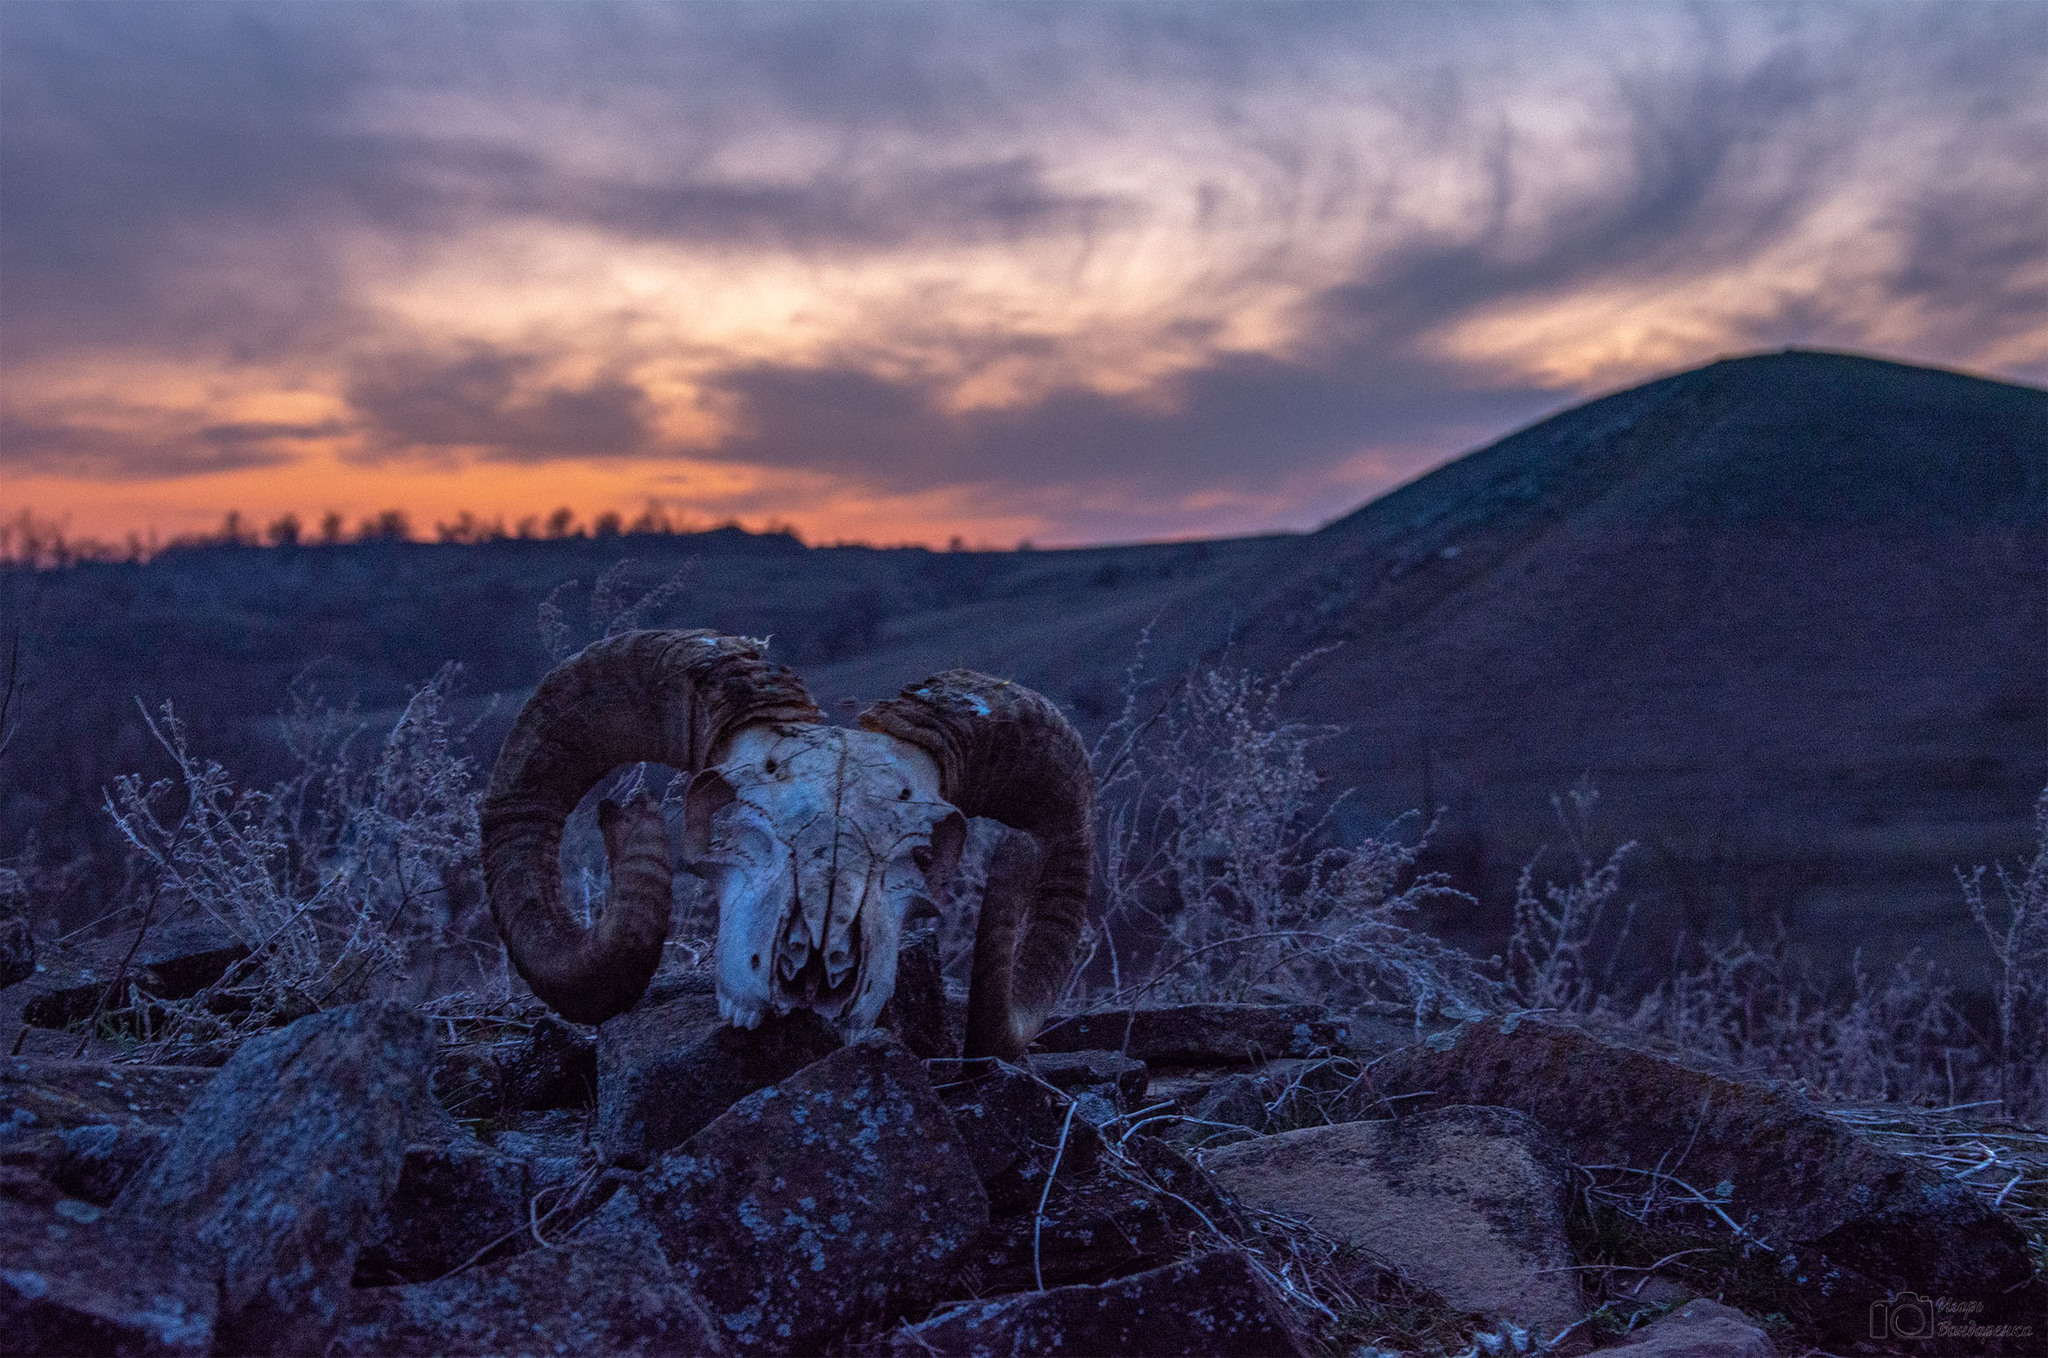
903	272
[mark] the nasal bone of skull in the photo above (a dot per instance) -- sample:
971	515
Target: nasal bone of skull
795	948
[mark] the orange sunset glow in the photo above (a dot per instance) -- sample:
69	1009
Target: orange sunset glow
905	274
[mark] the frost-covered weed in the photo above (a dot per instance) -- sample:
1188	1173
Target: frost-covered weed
2020	943
334	878
1563	949
1895	1037
1219	862
610	611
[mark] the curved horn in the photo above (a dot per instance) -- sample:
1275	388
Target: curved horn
666	697
1005	752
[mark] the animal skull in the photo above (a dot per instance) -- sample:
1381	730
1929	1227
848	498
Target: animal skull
817	842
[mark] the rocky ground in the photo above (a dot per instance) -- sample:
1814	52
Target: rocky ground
1190	1180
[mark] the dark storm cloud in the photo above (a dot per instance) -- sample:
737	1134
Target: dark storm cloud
487	401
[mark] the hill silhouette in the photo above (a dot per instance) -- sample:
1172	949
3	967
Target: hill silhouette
1789	612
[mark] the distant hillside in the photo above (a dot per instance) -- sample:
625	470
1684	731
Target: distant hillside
1790	612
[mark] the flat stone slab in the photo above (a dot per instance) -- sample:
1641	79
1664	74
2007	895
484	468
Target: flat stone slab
37	1094
1466	1201
1120	1078
175	961
1853	1220
1699	1329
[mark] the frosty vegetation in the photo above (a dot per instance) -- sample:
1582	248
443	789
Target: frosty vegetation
344	881
1220	877
1217	860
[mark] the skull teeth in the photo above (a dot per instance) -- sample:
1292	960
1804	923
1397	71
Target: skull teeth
737	1013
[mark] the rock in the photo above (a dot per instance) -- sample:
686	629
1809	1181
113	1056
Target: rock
88	1126
468	1082
454	1198
283	1166
73	1281
37	1094
1216	1304
1088	1232
557	1136
607	1290
1225	1106
664	1073
1658	1290
1700	1329
1010	1124
1466	1201
1106	1216
1181	1177
1116	1077
1380	1026
17	944
174	962
1199	1034
555	1067
917	1012
92	1163
841	1197
1850	1221
1233	1102
1098	1228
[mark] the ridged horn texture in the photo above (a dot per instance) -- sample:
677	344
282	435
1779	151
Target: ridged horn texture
665	697
1007	753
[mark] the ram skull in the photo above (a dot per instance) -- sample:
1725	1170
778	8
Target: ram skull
817	842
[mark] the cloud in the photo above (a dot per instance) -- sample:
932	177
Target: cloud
491	404
1037	255
77	448
1237	424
